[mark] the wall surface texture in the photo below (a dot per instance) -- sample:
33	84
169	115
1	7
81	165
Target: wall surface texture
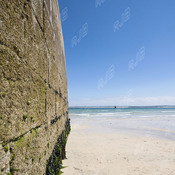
34	120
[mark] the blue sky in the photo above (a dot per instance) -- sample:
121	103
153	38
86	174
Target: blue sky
119	52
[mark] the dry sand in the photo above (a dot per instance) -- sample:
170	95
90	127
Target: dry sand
98	151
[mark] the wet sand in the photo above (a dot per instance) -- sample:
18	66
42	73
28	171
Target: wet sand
97	150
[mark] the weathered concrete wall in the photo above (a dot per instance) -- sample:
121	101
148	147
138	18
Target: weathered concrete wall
34	120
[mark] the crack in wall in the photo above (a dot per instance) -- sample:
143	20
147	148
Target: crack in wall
55	119
55	104
37	19
45	5
22	135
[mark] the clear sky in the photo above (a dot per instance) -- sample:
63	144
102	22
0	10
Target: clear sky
119	52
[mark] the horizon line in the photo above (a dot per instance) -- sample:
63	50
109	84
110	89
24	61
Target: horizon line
124	106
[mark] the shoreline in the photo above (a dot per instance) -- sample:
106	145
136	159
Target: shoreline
94	149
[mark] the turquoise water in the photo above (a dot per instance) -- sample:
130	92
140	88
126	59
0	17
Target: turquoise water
122	112
159	122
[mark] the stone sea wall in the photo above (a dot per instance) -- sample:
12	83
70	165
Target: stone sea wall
34	122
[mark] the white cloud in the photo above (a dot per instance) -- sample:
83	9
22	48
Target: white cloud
124	101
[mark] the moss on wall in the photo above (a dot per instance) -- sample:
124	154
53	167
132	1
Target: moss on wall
34	122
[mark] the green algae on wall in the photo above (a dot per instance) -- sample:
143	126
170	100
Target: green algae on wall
54	164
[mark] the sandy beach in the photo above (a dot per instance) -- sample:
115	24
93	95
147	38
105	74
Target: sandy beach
96	150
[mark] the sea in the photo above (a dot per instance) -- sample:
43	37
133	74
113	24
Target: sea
149	121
